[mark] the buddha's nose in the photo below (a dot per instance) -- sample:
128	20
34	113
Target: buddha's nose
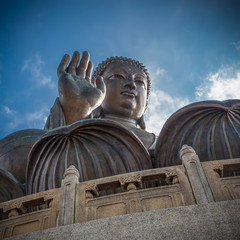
130	83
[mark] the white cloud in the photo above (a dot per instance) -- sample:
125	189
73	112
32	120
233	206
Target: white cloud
157	73
30	120
8	111
222	85
34	66
161	107
38	119
237	45
160	71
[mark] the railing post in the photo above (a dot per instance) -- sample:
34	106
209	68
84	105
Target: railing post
67	200
196	176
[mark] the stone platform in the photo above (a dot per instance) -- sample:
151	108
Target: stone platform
218	220
195	200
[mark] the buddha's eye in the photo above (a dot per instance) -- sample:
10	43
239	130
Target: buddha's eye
140	82
116	77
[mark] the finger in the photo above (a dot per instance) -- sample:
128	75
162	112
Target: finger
100	84
89	71
63	65
74	62
81	71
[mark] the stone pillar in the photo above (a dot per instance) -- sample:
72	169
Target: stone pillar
67	201
197	178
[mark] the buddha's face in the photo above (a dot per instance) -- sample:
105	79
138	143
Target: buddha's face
126	94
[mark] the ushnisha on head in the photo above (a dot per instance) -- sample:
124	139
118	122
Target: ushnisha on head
128	86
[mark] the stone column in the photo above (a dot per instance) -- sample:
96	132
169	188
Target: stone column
196	176
67	201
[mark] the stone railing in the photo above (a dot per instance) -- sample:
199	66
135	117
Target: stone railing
23	214
224	178
193	182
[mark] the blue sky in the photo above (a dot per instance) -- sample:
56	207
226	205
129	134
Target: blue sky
191	48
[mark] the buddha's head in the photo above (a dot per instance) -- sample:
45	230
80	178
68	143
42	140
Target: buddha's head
127	88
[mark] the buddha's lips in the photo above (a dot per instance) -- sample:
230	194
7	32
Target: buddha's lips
129	94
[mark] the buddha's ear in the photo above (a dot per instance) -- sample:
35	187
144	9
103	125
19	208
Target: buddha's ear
146	107
141	122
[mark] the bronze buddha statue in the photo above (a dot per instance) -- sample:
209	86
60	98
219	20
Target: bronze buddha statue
105	115
98	126
115	99
119	91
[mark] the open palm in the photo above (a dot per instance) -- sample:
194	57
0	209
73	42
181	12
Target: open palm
78	96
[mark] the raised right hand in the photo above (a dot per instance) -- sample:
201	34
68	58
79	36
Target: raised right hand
77	95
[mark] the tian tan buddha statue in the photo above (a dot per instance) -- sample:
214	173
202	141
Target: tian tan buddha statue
98	126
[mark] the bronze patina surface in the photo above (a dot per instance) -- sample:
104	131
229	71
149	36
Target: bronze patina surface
14	151
98	148
119	91
212	128
95	159
98	125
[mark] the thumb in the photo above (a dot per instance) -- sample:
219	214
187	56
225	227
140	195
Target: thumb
100	84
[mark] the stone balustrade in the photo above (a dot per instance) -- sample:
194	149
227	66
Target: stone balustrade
193	182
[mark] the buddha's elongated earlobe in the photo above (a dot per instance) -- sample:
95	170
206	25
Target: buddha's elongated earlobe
146	106
141	122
